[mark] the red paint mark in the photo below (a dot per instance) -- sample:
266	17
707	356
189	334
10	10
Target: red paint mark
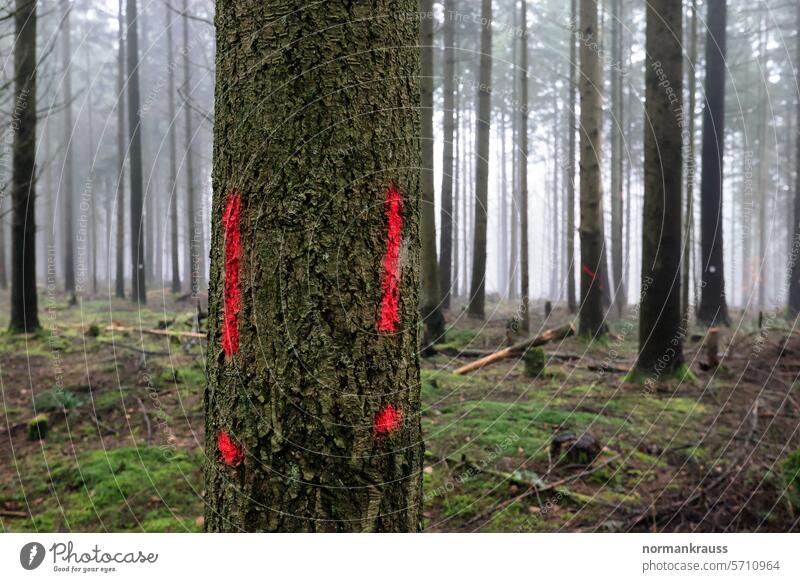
589	272
387	420
231	452
390	316
233	294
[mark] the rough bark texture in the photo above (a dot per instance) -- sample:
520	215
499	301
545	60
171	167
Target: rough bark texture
688	243
477	300
67	193
195	253
794	249
138	278
313	424
591	228
570	166
119	279
617	158
446	235
523	165
713	305
660	325
431	294
24	310
173	158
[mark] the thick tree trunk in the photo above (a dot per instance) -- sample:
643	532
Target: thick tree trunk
313	402
477	299
194	223
173	159
523	166
591	229
570	166
3	272
119	278
660	324
446	220
691	167
713	305
431	307
24	309
67	180
617	157
138	278
794	249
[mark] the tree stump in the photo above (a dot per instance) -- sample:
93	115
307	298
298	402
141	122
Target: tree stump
534	360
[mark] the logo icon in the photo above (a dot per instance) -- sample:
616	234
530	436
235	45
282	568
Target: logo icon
31	555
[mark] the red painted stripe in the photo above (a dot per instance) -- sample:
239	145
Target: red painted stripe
389	316
233	294
231	452
387	420
589	272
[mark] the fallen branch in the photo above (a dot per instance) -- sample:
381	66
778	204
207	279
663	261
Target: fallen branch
7	513
162	332
518	349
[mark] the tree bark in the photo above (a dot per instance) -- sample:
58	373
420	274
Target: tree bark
24	308
523	166
660	324
713	305
617	157
138	272
431	294
570	166
591	228
313	401
691	167
119	279
477	299
67	179
446	220
173	158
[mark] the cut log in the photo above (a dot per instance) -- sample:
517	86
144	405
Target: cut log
518	349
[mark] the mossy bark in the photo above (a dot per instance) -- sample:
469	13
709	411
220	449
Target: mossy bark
316	116
660	321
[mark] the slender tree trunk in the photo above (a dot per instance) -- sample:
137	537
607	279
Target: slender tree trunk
457	181
446	238
313	403
431	293
617	157
570	166
688	244
94	219
591	229
67	180
196	256
794	249
138	278
554	262
24	309
477	300
173	157
3	272
763	165
119	258
660	329
713	305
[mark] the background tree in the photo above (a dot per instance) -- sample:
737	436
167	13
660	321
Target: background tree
67	192
196	253
138	272
119	279
24	307
448	111
572	155
523	164
691	164
173	157
660	333
617	157
713	305
794	249
304	166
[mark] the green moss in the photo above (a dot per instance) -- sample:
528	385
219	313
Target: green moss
49	400
790	477
38	427
534	359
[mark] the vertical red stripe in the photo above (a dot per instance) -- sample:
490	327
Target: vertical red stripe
389	316
232	299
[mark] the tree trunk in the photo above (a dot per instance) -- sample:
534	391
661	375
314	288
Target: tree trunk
523	166
660	329
617	157
119	278
446	220
138	278
313	402
691	168
93	220
794	249
194	232
591	229
3	272
713	305
763	165
173	159
570	166
431	293
24	310
477	299
67	180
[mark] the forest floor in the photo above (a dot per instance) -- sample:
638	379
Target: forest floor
711	452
